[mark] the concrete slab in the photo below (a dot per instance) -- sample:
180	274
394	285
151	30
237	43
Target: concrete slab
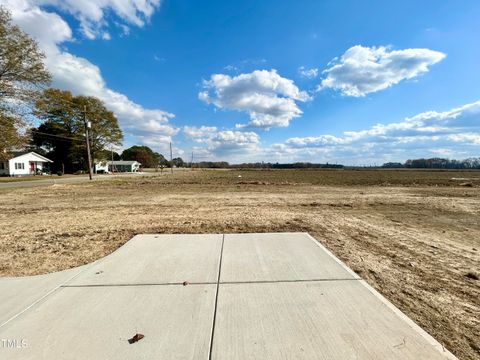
158	259
17	294
278	256
314	320
96	323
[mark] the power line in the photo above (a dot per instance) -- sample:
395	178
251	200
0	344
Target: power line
57	136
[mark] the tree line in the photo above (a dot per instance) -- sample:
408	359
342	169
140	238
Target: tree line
436	163
144	155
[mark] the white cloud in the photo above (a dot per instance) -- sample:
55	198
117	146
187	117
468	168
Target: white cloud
226	144
311	141
245	64
472	138
80	76
308	73
231	68
91	13
161	144
363	70
48	28
233	140
442	152
453	133
268	98
199	132
124	28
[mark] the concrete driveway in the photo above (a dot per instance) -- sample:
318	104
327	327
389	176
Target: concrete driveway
235	296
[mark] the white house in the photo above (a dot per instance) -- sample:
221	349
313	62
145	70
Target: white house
117	166
25	163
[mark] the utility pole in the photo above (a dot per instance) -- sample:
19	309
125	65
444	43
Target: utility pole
191	162
171	158
111	149
88	125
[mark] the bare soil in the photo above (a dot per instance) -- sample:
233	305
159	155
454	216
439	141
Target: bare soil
413	235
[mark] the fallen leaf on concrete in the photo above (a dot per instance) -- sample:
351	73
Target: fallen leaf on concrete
137	337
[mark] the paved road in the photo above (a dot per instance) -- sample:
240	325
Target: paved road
66	180
235	296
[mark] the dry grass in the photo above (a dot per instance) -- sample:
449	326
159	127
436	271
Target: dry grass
9	179
5	179
413	235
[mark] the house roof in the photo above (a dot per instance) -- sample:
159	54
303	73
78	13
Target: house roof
17	154
123	162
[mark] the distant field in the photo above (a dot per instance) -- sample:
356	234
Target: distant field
382	177
413	235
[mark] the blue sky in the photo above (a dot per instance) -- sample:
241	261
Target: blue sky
355	82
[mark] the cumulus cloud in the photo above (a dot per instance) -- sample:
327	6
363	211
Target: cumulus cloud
308	73
268	98
91	13
161	144
80	76
312	141
199	132
450	133
454	133
363	70
232	140
222	144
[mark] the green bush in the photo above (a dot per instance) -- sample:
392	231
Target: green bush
59	173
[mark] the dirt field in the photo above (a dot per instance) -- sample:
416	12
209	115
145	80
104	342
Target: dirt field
413	235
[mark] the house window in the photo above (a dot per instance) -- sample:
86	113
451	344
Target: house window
19	166
2	165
